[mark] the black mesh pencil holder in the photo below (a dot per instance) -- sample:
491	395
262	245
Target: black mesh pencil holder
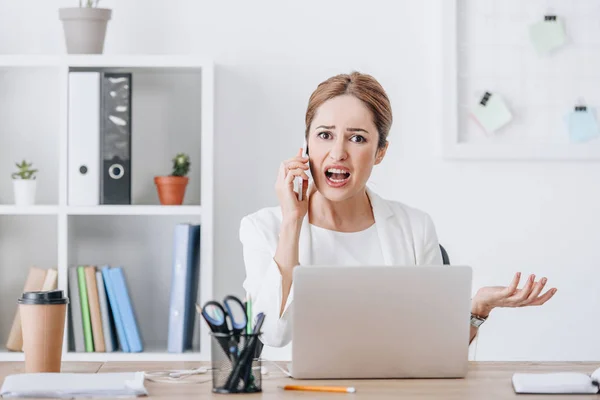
235	363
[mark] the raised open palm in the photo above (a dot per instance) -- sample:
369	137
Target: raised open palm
490	297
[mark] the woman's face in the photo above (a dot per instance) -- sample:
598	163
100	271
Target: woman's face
342	147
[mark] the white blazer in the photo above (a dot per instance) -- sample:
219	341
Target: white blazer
407	236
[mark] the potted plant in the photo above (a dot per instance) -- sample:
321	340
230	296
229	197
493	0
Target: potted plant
85	27
171	188
24	184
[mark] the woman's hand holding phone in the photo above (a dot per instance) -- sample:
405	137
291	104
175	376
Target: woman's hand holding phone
291	207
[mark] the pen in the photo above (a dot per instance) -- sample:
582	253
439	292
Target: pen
336	389
249	314
260	318
243	366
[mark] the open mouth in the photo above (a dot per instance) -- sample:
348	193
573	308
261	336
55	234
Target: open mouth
337	177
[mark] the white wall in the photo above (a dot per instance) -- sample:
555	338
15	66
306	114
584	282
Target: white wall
498	217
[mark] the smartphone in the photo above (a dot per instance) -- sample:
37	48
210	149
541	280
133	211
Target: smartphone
298	180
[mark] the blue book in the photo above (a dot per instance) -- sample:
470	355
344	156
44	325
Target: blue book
126	309
184	287
107	324
114	306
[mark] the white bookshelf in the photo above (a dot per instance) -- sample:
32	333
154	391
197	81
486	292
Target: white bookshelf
28	210
102	210
173	111
149	354
135	210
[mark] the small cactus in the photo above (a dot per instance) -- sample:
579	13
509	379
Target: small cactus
25	171
181	165
89	3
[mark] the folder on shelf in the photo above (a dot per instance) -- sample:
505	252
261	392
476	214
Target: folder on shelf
184	286
114	306
115	138
37	279
126	309
85	310
75	319
94	305
83	155
107	326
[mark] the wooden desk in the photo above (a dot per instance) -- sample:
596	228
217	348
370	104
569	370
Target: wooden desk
485	380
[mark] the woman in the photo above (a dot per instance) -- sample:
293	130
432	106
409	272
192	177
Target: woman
340	221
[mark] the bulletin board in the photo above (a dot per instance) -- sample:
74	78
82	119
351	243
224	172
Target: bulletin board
521	79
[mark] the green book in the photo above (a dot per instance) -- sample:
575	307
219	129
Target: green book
85	311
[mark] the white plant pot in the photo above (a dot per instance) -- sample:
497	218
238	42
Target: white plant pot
85	28
24	191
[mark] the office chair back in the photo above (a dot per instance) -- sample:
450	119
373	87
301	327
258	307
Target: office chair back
445	257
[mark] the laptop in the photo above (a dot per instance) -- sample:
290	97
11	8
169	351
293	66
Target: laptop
381	322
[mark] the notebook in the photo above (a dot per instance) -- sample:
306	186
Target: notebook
69	385
557	382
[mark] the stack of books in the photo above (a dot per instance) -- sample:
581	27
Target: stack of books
99	303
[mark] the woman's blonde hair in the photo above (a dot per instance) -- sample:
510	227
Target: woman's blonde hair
362	86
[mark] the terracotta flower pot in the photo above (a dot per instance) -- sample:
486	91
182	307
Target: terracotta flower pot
171	189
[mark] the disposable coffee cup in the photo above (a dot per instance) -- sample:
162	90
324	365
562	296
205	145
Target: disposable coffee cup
42	321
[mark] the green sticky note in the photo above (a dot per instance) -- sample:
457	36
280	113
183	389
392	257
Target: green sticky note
547	35
491	112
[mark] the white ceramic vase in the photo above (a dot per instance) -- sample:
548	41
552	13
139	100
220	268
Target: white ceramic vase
24	191
85	28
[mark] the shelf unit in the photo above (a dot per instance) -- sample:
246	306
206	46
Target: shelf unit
98	235
101	210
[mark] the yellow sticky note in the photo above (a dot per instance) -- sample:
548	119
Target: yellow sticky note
547	35
491	112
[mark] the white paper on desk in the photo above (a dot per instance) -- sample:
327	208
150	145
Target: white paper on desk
555	382
69	385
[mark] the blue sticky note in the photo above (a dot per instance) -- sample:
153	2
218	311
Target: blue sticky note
582	125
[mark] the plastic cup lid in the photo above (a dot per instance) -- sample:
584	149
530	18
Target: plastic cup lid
46	297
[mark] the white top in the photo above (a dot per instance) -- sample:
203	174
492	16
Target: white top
406	236
345	248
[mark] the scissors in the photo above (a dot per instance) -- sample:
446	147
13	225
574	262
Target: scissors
216	316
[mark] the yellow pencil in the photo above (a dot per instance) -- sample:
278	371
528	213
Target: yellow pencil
336	389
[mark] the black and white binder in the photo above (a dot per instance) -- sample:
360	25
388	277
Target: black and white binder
83	159
115	138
